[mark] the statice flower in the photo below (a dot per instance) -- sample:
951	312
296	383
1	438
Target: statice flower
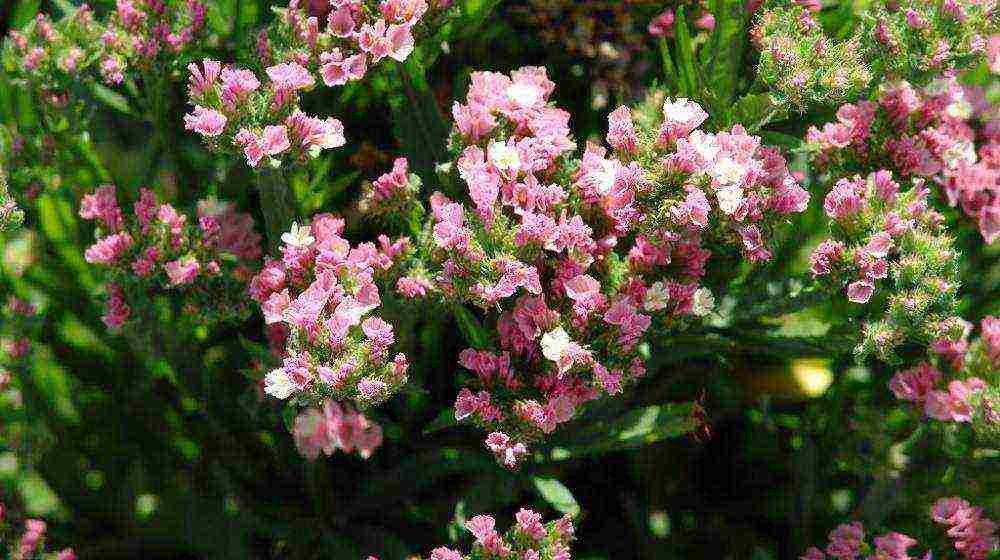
393	194
889	245
335	427
353	37
974	535
946	133
324	292
575	263
20	319
527	539
153	36
258	116
206	260
31	543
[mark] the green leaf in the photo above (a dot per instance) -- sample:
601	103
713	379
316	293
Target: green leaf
111	98
24	13
726	49
633	429
445	419
557	495
419	125
753	111
689	77
471	328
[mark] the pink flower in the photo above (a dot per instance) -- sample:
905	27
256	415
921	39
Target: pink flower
207	122
845	541
290	76
860	291
680	118
336	70
109	249
825	256
662	25
621	130
275	140
200	80
182	271
102	205
845	199
915	384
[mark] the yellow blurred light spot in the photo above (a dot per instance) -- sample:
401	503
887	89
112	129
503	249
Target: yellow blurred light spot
813	375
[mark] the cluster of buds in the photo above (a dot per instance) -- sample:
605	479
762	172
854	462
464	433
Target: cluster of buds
31	544
54	58
946	132
20	319
158	250
974	535
235	113
150	35
527	539
392	194
335	426
880	235
799	63
321	293
583	259
354	36
919	39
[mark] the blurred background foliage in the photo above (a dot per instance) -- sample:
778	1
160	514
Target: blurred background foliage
749	439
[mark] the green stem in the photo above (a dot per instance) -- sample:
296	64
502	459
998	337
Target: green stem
277	203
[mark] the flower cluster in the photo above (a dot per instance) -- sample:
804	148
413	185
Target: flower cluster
20	319
354	36
912	39
583	259
881	235
527	539
918	39
393	193
800	63
151	35
974	535
332	427
322	292
235	113
31	544
952	405
158	250
52	58
945	132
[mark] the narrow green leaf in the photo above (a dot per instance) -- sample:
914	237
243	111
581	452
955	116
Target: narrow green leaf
444	420
557	495
112	99
472	330
687	69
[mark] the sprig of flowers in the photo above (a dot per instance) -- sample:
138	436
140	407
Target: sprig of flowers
158	250
582	260
974	535
322	292
31	543
335	426
880	234
528	539
945	132
236	112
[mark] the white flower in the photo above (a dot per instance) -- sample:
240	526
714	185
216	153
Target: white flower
727	171
555	343
504	157
681	110
960	151
278	384
212	206
702	302
524	95
705	144
730	197
604	178
657	297
298	236
959	108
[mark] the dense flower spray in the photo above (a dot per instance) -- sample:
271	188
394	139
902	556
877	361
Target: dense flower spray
30	543
911	39
973	534
576	263
206	261
528	539
947	133
237	111
335	426
321	294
